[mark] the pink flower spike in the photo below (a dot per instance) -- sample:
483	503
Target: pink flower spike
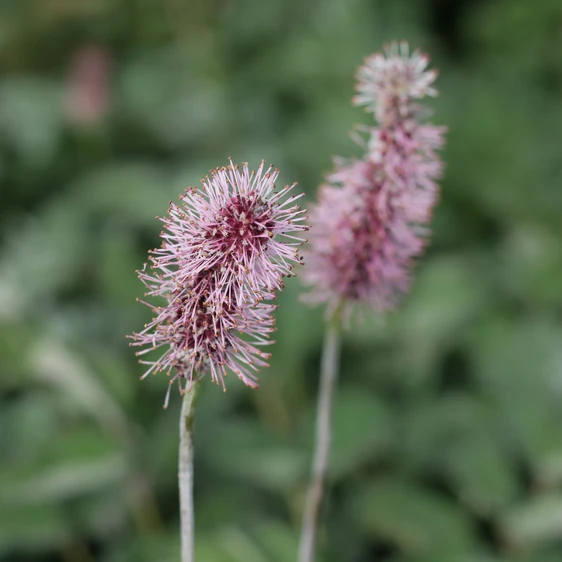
361	245
370	222
225	251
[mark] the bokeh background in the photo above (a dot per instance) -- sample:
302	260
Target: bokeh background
448	423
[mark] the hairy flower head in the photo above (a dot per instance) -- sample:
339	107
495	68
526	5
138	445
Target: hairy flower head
225	251
240	225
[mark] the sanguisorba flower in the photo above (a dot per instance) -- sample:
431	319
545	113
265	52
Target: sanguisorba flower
225	251
240	226
371	218
358	249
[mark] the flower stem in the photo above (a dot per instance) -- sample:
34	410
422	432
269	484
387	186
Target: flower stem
185	474
315	494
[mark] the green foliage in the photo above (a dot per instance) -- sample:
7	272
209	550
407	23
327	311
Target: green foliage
447	442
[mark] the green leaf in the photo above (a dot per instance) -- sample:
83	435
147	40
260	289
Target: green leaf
65	479
517	365
537	521
414	519
257	457
362	430
31	117
28	428
132	192
32	530
447	294
278	540
56	364
179	101
44	254
481	473
150	547
452	438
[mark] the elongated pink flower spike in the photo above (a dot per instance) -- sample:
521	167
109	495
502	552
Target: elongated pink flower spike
220	260
370	221
368	227
360	249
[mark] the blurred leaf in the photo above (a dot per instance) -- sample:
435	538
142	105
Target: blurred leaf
447	296
451	437
115	374
481	473
33	529
30	116
239	546
130	192
506	355
253	455
27	428
178	100
101	514
43	254
54	363
447	293
70	477
279	541
362	430
15	341
532	264
147	548
536	521
416	520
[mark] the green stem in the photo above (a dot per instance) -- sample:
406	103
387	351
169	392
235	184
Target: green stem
316	488
185	474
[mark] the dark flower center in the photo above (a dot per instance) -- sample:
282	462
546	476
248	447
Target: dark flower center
242	226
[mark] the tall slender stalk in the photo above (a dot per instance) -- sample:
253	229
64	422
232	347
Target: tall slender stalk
316	487
185	474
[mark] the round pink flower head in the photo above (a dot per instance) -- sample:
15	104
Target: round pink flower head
239	225
370	221
220	259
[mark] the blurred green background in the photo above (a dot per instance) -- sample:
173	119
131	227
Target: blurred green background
448	423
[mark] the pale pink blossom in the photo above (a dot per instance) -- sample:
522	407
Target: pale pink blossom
370	222
224	253
238	224
361	243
